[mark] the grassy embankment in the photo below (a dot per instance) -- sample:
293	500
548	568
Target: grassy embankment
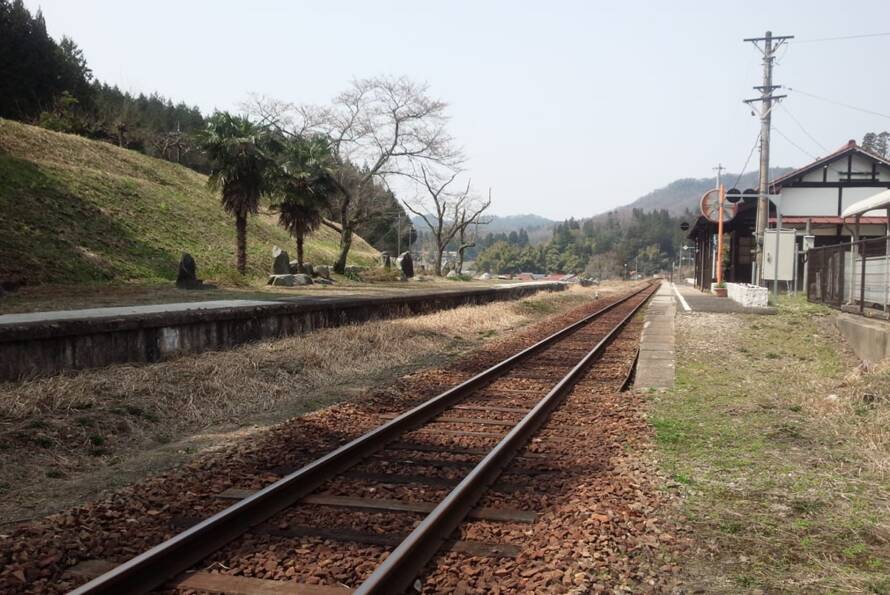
77	211
780	448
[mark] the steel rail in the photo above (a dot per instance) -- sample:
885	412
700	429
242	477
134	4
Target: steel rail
397	573
163	562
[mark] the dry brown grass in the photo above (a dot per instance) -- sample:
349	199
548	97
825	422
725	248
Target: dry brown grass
72	424
214	386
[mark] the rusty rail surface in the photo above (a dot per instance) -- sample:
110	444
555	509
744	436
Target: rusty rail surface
165	561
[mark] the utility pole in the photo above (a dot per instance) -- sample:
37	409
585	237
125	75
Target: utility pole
770	44
719	169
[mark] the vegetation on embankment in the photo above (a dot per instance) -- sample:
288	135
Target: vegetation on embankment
779	446
74	210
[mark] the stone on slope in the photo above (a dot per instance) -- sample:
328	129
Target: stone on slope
406	264
280	262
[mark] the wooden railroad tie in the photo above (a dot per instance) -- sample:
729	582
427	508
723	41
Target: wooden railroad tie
482	514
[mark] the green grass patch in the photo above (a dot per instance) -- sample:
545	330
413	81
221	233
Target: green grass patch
81	211
771	474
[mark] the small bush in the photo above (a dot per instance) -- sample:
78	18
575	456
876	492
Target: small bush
379	275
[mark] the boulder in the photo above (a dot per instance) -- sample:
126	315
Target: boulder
452	274
282	280
406	264
307	267
280	262
289	280
485	276
322	281
322	271
187	276
586	282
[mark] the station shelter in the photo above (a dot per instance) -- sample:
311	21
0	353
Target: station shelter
812	200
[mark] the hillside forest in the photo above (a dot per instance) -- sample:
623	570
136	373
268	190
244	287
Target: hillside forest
601	247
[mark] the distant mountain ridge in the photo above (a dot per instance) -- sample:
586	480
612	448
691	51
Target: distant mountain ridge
685	193
508	223
676	197
501	223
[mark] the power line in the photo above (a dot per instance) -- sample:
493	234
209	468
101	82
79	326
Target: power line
797	146
747	161
842	37
840	103
805	131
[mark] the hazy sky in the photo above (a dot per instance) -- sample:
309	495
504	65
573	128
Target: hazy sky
564	108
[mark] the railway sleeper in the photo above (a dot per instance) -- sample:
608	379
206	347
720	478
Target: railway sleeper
226	584
482	514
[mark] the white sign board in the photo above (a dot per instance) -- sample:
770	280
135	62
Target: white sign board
778	247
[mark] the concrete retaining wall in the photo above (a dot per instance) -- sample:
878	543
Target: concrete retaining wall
47	347
749	296
870	339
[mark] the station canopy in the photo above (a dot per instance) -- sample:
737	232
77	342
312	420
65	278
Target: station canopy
881	200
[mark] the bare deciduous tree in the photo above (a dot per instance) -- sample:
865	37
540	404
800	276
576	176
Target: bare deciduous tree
379	128
468	217
447	214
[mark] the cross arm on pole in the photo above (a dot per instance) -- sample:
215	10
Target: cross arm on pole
770	97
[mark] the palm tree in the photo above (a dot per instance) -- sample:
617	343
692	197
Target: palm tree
240	159
303	187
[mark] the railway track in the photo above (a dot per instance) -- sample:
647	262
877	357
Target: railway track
462	440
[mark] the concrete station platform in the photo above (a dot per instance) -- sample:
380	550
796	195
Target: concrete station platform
692	300
41	343
656	362
869	338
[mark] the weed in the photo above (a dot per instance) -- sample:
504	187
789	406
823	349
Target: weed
42	441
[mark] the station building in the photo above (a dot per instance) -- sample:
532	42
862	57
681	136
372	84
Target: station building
812	200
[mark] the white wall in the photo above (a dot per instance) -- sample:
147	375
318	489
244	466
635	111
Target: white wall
816	176
840	165
809	202
852	195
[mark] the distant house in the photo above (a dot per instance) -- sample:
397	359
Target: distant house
812	199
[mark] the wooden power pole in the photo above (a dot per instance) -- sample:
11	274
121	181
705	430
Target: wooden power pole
768	45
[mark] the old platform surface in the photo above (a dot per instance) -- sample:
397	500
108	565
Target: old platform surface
39	343
692	300
655	366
